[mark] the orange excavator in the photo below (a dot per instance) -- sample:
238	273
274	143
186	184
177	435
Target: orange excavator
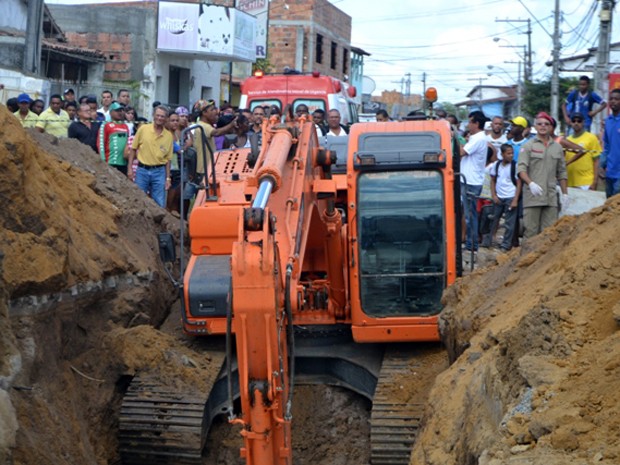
310	257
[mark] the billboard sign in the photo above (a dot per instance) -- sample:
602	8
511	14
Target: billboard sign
260	10
217	32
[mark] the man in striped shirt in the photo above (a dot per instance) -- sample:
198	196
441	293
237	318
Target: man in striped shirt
113	138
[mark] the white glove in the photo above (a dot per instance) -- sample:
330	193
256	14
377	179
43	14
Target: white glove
565	202
535	189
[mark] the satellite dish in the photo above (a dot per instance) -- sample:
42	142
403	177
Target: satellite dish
368	85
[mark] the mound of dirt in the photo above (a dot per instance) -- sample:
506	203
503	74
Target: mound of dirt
81	293
536	352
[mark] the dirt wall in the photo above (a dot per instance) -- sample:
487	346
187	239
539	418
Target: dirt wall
536	353
79	264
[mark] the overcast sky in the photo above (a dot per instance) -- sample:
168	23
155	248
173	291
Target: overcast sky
452	41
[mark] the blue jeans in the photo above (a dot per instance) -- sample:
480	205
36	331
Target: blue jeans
612	186
470	194
153	182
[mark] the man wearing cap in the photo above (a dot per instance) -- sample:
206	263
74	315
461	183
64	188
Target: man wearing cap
515	135
54	120
113	138
610	159
24	115
184	123
153	145
582	166
69	95
541	166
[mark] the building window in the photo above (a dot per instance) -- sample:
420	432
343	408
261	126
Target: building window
319	49
345	61
334	53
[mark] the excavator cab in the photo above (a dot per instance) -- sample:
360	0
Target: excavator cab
403	234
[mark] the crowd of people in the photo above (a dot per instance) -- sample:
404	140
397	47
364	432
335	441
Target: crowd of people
148	153
511	172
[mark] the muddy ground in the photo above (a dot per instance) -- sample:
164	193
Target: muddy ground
85	305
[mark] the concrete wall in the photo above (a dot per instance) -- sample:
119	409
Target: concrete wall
126	35
15	82
13	19
13	15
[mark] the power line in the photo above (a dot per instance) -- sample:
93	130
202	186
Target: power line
452	11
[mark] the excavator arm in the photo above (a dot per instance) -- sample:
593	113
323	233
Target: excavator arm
260	325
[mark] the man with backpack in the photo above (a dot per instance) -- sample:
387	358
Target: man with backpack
505	190
582	100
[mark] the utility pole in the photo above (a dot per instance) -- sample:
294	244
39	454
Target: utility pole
555	76
519	85
424	90
32	49
601	74
528	63
408	85
527	55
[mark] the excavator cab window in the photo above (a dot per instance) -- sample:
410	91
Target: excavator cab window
401	241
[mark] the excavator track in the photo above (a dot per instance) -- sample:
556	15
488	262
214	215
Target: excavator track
164	420
160	426
398	407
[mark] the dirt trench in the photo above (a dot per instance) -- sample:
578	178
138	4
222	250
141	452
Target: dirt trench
85	305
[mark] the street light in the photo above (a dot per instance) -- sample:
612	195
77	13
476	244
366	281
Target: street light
526	56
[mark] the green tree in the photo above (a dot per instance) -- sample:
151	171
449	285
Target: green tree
537	95
460	112
262	64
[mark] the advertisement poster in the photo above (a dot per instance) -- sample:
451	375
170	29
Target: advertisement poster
260	10
217	32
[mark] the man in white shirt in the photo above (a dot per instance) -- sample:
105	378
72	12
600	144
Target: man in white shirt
106	101
497	137
333	124
473	161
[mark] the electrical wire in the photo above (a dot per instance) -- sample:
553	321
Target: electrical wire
448	12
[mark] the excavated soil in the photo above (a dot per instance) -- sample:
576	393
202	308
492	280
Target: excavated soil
536	351
85	305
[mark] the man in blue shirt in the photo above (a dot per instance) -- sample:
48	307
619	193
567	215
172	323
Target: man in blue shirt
610	158
582	100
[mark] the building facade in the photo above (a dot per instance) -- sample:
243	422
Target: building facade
34	52
492	101
127	35
309	35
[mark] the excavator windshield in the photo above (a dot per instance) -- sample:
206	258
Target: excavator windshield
401	241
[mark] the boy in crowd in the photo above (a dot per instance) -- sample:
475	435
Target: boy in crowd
505	190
